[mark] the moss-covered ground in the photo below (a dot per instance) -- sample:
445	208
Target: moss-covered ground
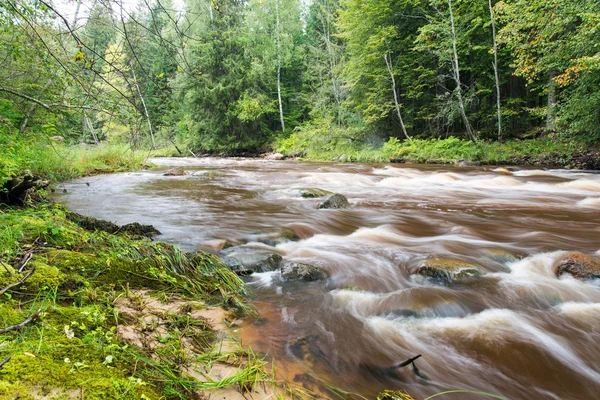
76	280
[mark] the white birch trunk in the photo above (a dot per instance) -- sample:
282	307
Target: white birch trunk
144	105
277	33
498	104
457	77
388	63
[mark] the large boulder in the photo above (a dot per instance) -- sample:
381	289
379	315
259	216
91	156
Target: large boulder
244	259
175	172
449	270
578	265
335	201
299	271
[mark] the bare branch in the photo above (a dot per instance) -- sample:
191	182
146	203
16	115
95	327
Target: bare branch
13	285
22	324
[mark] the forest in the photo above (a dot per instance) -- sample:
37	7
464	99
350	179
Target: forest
244	77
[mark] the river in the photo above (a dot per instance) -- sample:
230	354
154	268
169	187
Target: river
518	332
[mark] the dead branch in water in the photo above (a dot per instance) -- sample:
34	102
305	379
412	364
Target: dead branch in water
22	324
407	362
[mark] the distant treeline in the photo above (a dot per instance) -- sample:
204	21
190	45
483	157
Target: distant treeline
227	75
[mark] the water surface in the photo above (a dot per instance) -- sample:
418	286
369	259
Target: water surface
519	332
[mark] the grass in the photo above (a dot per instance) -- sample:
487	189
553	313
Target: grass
78	278
56	161
339	146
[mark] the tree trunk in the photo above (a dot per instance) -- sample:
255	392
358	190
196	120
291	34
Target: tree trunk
279	66
457	77
498	106
145	109
33	107
551	102
388	63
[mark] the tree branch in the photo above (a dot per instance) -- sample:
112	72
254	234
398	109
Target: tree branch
22	324
13	285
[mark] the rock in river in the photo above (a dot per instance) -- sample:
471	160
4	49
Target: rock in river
313	193
239	258
449	270
335	201
175	172
307	272
578	265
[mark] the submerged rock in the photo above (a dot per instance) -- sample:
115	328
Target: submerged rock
313	193
175	172
281	236
449	270
241	259
501	256
578	265
216	245
335	201
307	272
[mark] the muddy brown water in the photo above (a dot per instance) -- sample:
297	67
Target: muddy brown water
518	332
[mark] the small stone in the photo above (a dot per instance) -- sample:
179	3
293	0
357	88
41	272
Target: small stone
175	172
335	201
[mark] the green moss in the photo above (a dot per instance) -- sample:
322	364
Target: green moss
43	278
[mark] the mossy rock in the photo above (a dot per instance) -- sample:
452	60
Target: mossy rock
334	201
306	272
313	193
578	265
448	270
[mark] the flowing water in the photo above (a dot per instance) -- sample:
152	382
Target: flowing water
518	332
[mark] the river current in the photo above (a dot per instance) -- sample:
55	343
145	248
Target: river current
518	332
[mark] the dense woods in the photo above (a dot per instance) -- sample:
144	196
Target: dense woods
232	76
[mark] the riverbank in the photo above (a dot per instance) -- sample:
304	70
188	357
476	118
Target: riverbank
548	151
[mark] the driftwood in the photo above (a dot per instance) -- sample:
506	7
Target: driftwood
22	324
7	359
12	285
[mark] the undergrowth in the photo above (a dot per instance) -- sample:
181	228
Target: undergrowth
72	348
337	145
55	161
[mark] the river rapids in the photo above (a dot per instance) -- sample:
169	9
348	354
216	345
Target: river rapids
518	332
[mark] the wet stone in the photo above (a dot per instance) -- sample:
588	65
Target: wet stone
579	266
175	172
334	201
449	270
240	259
313	193
306	272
